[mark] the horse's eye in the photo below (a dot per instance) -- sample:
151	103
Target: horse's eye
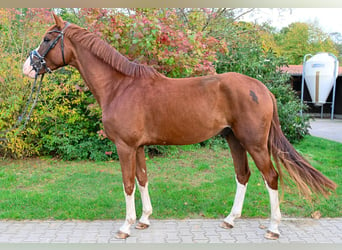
46	39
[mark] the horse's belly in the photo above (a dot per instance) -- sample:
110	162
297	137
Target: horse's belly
184	133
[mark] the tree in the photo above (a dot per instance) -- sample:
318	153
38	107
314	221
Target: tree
175	45
299	39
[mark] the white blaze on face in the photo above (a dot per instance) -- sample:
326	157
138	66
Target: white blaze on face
28	69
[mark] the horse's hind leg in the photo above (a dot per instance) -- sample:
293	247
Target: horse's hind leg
141	174
263	161
242	171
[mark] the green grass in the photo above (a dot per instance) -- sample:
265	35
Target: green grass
191	183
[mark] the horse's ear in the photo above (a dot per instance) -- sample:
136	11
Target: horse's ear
58	20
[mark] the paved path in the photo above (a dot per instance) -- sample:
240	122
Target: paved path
171	231
326	128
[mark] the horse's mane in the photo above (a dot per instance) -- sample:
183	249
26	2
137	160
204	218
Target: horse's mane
109	54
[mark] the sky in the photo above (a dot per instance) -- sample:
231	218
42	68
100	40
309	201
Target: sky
328	19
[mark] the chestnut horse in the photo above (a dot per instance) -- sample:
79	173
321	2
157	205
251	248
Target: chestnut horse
143	107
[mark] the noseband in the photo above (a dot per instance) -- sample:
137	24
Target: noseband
40	63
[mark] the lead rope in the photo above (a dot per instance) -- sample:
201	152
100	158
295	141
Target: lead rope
35	91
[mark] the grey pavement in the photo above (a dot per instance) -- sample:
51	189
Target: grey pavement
293	230
327	128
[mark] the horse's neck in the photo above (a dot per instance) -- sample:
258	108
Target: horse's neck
99	76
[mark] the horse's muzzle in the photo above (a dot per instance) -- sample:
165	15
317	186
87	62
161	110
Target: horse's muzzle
28	70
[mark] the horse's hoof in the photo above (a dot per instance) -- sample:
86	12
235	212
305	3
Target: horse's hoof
226	225
141	226
121	235
271	236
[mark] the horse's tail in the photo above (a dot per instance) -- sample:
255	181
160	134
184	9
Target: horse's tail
307	178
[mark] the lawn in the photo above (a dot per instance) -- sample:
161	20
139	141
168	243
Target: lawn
192	182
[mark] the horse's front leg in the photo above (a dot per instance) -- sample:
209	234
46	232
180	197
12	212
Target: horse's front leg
141	174
127	156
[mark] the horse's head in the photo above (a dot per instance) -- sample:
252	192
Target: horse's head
52	53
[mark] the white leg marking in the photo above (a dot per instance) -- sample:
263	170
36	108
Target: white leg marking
130	213
146	203
275	210
238	203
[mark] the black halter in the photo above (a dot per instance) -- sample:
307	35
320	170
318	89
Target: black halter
40	63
